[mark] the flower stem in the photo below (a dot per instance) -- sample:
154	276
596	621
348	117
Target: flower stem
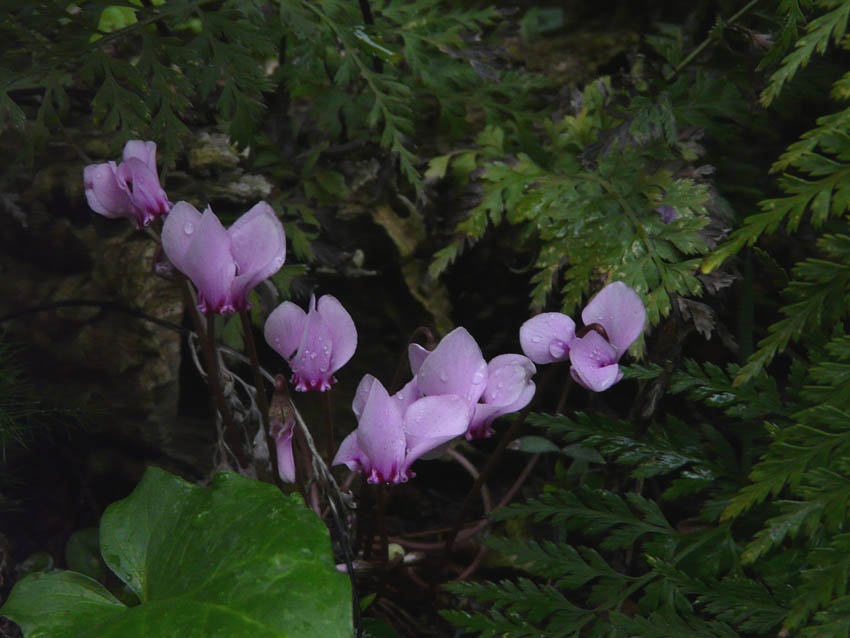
507	437
329	421
381	507
219	402
262	398
231	435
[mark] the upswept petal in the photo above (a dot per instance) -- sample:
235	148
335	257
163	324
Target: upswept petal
209	265
342	329
620	311
380	435
284	326
432	421
456	366
545	338
178	231
361	394
103	193
311	365
285	458
408	394
480	425
258	245
148	199
416	354
509	388
141	150
594	362
482	416
508	375
349	452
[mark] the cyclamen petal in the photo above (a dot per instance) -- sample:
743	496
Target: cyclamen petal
284	327
131	189
311	364
431	421
209	265
509	388
456	366
141	184
613	319
416	354
390	437
214	258
285	457
361	394
341	326
620	311
103	193
258	246
668	213
350	454
594	362
545	338
380	435
316	343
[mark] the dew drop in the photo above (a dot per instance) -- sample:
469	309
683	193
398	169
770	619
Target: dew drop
188	228
444	377
477	378
312	355
537	339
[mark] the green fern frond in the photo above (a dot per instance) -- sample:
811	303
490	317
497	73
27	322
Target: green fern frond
818	291
829	26
595	512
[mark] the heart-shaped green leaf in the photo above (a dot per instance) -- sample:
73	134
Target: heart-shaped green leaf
235	559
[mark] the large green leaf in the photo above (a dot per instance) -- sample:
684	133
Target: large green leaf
235	559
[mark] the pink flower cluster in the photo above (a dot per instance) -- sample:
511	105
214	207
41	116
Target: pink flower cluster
453	392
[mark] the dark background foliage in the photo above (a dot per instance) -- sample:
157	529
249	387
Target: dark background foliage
443	164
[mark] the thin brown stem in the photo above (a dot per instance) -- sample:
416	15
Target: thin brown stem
329	422
231	434
495	457
262	398
381	507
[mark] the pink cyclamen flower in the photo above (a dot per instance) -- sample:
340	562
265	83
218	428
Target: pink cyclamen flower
613	319
456	366
131	189
390	436
282	435
316	343
668	213
224	264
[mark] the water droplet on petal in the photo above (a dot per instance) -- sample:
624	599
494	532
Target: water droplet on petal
537	339
188	228
478	377
444	377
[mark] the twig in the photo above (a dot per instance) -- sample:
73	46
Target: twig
231	435
693	54
485	473
262	399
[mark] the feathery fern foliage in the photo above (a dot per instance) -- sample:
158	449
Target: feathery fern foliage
587	204
724	514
